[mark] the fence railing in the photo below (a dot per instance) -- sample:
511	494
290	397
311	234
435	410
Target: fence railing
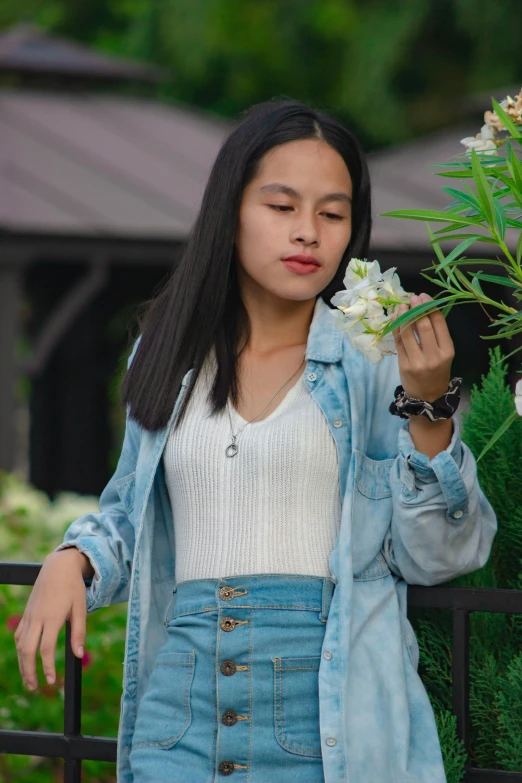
73	747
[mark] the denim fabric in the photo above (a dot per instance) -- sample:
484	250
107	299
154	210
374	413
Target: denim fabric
235	688
405	518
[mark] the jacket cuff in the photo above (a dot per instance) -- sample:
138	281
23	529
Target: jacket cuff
417	469
97	588
420	463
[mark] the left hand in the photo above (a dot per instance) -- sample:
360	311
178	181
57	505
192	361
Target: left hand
425	367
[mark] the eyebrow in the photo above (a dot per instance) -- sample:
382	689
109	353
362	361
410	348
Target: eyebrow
278	187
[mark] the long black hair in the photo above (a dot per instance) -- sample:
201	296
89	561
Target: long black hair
200	306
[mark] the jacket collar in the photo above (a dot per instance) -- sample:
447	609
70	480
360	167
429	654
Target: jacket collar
325	340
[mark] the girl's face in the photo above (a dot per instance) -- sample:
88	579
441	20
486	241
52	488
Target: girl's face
298	204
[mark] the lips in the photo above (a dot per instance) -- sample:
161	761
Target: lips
303	259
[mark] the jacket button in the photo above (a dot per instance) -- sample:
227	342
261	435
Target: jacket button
457	514
338	423
327	654
228	668
226	767
331	741
226	593
229	717
312	376
227	624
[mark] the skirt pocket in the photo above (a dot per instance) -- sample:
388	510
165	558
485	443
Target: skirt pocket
296	704
164	713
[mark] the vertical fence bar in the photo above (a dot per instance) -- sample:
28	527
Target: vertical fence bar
72	714
460	673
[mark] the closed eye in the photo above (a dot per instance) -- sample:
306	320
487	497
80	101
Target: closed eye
285	208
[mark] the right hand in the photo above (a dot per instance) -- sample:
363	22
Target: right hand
58	595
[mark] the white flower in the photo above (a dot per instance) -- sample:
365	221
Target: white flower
364	308
479	144
518	397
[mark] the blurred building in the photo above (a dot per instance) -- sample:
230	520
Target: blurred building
98	191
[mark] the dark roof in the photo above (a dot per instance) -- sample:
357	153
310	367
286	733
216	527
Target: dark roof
89	165
405	177
26	49
92	165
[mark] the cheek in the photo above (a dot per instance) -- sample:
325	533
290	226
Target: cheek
257	236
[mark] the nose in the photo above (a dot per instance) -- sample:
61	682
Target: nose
305	231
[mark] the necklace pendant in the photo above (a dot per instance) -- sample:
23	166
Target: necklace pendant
231	450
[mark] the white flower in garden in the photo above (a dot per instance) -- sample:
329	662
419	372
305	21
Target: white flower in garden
479	144
518	397
364	308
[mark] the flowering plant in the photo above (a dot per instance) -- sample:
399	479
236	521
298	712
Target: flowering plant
491	214
365	306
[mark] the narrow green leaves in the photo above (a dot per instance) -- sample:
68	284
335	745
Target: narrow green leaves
506	120
483	189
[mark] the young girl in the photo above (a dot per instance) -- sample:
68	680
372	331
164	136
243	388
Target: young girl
268	510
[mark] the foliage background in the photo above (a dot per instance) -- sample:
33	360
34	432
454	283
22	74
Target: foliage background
392	70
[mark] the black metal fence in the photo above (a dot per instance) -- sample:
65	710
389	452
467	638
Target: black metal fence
73	747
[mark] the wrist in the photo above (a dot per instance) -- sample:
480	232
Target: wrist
82	560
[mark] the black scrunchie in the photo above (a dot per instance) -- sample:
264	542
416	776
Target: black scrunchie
442	408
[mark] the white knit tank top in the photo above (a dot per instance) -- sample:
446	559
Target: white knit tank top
274	508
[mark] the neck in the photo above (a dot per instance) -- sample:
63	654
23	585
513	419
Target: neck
277	323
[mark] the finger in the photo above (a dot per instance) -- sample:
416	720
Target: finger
440	328
28	652
428	341
18	637
399	345
47	651
78	628
409	341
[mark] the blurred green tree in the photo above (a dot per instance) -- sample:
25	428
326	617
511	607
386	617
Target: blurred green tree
392	71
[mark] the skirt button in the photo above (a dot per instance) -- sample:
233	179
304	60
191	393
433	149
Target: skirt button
226	767
226	593
229	718
228	668
227	624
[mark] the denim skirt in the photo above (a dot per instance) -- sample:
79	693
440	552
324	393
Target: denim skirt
234	691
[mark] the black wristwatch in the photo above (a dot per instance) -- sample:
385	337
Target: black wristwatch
442	408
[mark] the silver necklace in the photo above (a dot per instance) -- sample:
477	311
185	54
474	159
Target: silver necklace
233	448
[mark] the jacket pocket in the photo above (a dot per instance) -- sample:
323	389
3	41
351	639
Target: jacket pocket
296	704
125	487
164	712
372	476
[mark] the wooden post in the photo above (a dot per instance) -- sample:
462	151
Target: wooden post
10	292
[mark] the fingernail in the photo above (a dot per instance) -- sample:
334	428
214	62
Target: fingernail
50	679
80	651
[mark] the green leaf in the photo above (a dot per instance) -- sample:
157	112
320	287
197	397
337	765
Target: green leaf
437	249
506	119
453	237
483	189
500	218
461	174
515	169
416	312
457	251
498	279
432	216
467	199
498	434
519	250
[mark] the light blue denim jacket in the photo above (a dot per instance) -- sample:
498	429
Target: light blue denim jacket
405	519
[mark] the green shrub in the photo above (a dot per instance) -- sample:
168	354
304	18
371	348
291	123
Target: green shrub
30	527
